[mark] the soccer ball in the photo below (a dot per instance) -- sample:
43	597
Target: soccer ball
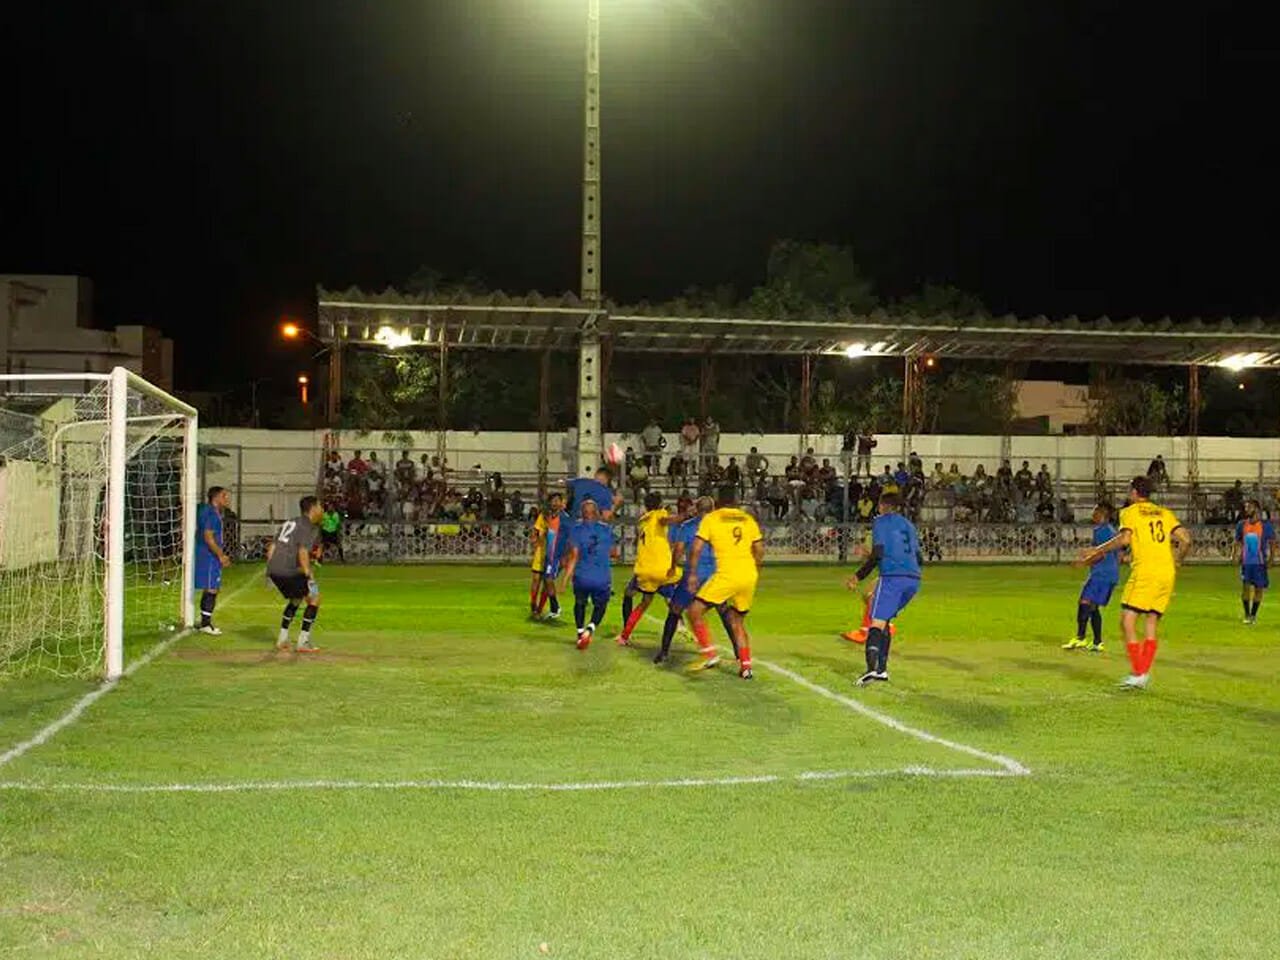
613	454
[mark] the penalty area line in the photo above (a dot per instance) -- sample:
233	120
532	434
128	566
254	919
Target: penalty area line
489	786
47	733
1008	766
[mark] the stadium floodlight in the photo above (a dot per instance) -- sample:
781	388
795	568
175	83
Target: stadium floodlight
98	500
854	350
1241	361
392	338
290	331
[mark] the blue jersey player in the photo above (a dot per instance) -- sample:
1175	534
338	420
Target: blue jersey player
595	489
588	567
210	557
895	550
1255	543
1101	583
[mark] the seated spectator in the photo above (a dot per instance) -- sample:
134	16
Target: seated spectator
938	479
777	497
902	476
866	507
1045	509
377	466
809	502
517	505
495	508
1004	476
792	472
826	474
1044	480
358	466
1065	513
954	475
889	483
474	501
808	463
1024	512
675	468
757	465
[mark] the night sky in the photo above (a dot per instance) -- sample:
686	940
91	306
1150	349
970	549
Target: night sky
208	163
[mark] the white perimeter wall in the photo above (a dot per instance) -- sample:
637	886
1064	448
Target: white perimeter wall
269	469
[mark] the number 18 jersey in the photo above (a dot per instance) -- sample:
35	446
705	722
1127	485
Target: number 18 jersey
1150	527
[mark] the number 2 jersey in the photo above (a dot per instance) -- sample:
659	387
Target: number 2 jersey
594	543
1150	529
731	533
297	534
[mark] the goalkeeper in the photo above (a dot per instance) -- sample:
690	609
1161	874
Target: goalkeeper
289	568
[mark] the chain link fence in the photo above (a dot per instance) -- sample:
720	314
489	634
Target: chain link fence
509	542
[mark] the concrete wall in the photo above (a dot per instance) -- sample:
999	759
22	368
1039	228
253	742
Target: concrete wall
269	469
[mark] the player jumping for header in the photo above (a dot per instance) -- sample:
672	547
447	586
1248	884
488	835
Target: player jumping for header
1254	548
895	550
1158	544
1101	583
289	568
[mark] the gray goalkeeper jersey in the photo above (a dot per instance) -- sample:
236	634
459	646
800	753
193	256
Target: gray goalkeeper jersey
297	534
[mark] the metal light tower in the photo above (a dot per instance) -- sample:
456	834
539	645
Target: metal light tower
590	425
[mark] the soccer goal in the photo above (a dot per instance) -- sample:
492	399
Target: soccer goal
97	519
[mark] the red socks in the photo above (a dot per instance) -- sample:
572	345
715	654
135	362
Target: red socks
1148	655
533	597
542	597
703	636
630	625
744	655
1141	656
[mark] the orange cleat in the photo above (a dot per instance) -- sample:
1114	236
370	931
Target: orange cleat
855	636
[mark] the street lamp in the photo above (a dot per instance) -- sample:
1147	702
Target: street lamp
303	382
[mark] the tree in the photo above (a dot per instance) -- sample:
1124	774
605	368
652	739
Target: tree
971	401
938	298
1124	407
802	278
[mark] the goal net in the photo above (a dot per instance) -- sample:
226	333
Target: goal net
97	514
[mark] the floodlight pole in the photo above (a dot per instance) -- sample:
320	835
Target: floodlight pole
590	422
1193	441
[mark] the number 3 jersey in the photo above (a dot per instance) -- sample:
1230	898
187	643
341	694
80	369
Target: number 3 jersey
1151	544
297	534
897	538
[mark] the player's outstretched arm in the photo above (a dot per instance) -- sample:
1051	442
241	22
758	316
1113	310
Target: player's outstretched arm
757	553
1119	542
868	566
570	562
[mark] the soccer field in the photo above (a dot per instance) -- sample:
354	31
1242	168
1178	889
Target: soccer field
448	779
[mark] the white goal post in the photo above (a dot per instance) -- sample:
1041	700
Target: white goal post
98	500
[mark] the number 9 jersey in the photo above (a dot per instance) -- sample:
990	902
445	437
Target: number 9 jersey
731	533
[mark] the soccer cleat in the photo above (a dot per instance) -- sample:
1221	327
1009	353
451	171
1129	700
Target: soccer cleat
553	615
1078	643
660	657
211	630
870	677
855	636
1097	648
1250	621
1135	681
746	674
703	663
584	638
622	641
306	646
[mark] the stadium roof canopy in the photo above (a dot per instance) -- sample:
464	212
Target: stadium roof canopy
499	322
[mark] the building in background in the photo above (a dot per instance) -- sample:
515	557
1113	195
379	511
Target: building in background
46	326
1060	407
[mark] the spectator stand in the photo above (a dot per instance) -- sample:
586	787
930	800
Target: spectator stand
352	319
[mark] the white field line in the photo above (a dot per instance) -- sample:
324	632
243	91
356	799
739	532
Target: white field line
490	786
1010	766
77	710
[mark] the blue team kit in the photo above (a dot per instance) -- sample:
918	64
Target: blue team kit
582	489
592	576
1254	536
208	569
895	535
1103	575
557	543
686	533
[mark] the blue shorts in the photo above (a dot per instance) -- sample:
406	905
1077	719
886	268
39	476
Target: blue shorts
1097	592
208	573
680	597
551	569
595	592
1254	575
664	591
892	596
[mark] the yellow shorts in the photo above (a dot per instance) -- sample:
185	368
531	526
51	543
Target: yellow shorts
538	564
651	582
1147	594
736	589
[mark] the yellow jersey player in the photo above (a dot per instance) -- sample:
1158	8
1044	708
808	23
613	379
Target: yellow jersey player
1158	543
654	572
549	539
739	545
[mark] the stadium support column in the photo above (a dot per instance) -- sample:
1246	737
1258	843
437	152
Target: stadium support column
706	383
442	403
910	389
806	389
1193	441
544	419
333	397
589	426
1099	407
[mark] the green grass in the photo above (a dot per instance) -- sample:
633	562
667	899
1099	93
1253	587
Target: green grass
1149	827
